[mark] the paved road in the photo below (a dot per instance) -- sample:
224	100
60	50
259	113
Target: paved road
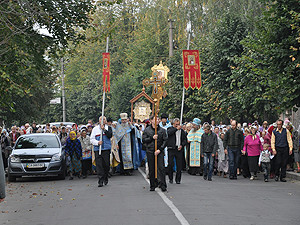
127	200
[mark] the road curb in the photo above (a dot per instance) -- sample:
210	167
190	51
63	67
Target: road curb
293	175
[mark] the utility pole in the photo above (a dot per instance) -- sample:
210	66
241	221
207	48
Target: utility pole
170	38
63	89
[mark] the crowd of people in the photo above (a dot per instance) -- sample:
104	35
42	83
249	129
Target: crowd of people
109	147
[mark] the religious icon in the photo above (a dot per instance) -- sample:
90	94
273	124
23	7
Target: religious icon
105	63
161	74
142	111
191	60
162	70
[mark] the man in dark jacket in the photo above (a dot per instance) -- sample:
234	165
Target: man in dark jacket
282	147
176	142
149	138
233	145
209	147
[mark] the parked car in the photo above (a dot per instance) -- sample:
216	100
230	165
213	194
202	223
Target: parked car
37	155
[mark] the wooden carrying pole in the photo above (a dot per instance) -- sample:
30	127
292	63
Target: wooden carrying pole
155	124
103	103
157	94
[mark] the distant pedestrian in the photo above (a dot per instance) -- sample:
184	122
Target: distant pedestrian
74	150
233	144
194	139
13	136
86	153
2	180
209	147
282	147
4	143
252	147
176	144
63	135
295	139
222	157
34	127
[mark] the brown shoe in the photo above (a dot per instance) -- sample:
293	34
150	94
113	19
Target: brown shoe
225	176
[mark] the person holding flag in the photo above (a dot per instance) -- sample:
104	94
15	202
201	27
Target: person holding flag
102	150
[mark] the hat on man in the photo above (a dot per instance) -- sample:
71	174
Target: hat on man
124	116
164	116
196	121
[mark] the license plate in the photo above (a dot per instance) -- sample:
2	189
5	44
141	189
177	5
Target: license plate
35	165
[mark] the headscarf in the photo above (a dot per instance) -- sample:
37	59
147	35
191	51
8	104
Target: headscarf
4	130
254	136
73	132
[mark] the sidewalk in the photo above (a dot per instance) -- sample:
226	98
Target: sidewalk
293	175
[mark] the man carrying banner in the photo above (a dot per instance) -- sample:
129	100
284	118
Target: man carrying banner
102	157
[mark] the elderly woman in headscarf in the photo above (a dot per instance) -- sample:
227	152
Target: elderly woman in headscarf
222	157
74	151
86	153
295	139
5	142
252	147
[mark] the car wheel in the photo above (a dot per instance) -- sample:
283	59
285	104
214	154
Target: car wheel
62	176
11	178
63	173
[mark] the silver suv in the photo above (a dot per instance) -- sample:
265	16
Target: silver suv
37	155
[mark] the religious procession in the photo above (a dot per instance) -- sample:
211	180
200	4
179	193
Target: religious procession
167	112
163	146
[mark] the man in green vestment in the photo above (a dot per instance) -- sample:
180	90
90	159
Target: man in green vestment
194	138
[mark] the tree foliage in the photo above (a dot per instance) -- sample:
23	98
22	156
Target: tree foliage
249	51
27	77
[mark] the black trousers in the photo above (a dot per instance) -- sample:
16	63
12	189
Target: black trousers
160	169
281	160
102	164
174	153
5	162
253	164
245	166
86	166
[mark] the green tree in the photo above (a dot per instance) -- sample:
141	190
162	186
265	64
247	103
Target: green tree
26	76
268	71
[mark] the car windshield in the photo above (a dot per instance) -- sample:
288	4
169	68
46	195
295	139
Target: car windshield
37	142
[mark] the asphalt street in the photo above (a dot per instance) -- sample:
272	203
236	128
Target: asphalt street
128	201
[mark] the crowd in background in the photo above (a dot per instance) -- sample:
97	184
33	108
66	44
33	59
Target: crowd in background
248	162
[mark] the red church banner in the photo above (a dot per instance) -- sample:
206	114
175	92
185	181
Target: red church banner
191	69
106	69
